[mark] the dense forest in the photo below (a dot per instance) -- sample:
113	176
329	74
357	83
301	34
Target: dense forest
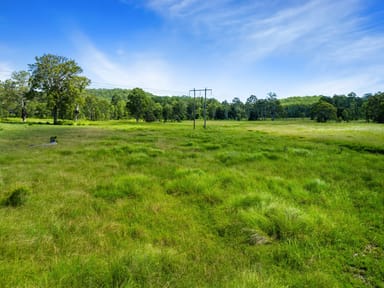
52	88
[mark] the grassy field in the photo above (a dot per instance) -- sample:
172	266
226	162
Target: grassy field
240	204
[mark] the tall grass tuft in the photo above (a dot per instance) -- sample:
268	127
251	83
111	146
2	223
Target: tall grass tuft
17	197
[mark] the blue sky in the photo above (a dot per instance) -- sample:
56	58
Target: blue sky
237	48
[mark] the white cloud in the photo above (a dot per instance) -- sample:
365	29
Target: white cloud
135	70
361	81
6	68
5	71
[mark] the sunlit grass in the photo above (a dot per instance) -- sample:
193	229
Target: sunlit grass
240	204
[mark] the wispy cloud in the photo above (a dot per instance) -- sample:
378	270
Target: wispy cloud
258	29
364	49
135	70
290	46
296	29
327	38
177	8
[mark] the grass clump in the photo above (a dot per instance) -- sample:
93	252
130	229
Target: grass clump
187	184
16	198
130	186
316	186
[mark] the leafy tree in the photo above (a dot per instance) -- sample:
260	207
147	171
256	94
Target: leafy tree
323	111
138	102
7	105
179	110
118	107
21	85
262	108
354	106
327	99
57	79
13	95
222	111
94	108
104	109
153	112
251	108
274	107
158	111
36	108
342	105
212	106
167	112
191	108
348	107
89	108
237	109
375	107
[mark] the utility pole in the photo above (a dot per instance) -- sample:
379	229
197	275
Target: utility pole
204	106
194	109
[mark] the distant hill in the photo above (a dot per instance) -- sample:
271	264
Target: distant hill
299	100
107	94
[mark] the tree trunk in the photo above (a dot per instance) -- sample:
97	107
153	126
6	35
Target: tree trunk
23	114
55	115
23	111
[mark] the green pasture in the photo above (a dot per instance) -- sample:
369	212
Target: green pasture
239	204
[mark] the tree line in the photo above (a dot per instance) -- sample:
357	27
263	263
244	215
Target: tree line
54	88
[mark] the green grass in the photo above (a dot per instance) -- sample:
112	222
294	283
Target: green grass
240	204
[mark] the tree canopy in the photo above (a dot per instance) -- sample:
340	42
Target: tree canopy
57	79
138	102
324	111
375	107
